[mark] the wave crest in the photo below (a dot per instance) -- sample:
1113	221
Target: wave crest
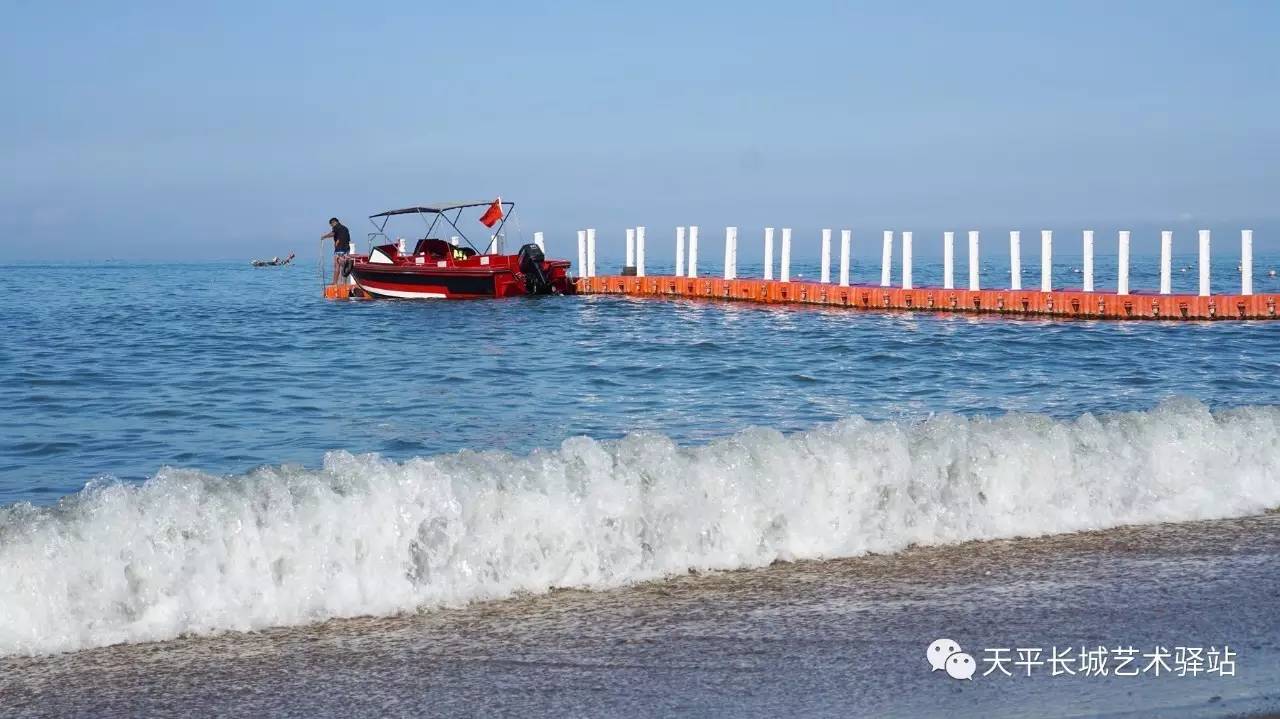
188	552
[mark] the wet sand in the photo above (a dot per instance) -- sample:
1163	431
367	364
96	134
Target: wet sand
842	637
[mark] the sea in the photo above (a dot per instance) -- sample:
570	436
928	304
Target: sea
221	494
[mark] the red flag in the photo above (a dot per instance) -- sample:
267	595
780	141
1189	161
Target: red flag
493	214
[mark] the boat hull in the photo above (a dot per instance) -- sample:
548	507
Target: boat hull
409	284
416	281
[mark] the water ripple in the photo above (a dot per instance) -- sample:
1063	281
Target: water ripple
122	369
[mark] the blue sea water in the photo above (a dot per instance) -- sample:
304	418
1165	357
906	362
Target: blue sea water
113	370
195	448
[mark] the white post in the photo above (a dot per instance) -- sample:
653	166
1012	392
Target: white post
680	251
784	271
537	240
826	257
639	252
846	240
693	251
906	260
973	260
1122	279
728	251
735	253
1166	262
591	252
886	258
1088	260
631	247
1246	262
768	253
948	260
582	253
1015	259
1046	260
1204	263
730	237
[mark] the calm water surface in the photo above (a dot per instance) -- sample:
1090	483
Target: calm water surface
116	370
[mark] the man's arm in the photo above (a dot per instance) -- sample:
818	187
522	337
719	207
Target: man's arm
327	236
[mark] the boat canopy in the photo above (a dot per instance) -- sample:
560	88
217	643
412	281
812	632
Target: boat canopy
439	210
435	208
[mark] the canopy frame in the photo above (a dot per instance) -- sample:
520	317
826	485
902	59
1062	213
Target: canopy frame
436	213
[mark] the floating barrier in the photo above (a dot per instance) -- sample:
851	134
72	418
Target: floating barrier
1044	301
345	292
1057	303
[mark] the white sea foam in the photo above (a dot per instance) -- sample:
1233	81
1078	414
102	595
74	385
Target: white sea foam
192	553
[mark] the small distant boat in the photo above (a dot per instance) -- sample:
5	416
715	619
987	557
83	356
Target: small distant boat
448	269
273	262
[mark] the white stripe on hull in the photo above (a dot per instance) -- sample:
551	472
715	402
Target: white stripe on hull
404	295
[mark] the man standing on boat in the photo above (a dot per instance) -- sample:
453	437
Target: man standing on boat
341	245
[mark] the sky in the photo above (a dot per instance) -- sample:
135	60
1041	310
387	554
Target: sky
231	130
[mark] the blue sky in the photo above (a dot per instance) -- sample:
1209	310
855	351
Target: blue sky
229	130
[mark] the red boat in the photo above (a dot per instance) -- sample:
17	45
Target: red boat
448	269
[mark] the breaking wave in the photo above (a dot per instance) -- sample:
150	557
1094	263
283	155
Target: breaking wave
188	552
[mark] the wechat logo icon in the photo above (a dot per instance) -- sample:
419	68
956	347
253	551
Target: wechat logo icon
946	655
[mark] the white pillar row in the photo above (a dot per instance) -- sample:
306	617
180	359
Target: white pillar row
1122	273
886	259
680	251
846	243
826	257
784	270
973	261
1015	259
1166	262
537	240
1046	260
582	253
693	251
730	254
1088	260
591	252
1246	262
631	247
906	260
948	260
639	252
1204	263
768	253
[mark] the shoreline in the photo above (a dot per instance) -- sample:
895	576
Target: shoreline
815	637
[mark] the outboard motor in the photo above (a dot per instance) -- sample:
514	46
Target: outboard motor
535	280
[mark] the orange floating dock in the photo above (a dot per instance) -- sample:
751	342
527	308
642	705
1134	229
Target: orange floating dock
345	292
1059	303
